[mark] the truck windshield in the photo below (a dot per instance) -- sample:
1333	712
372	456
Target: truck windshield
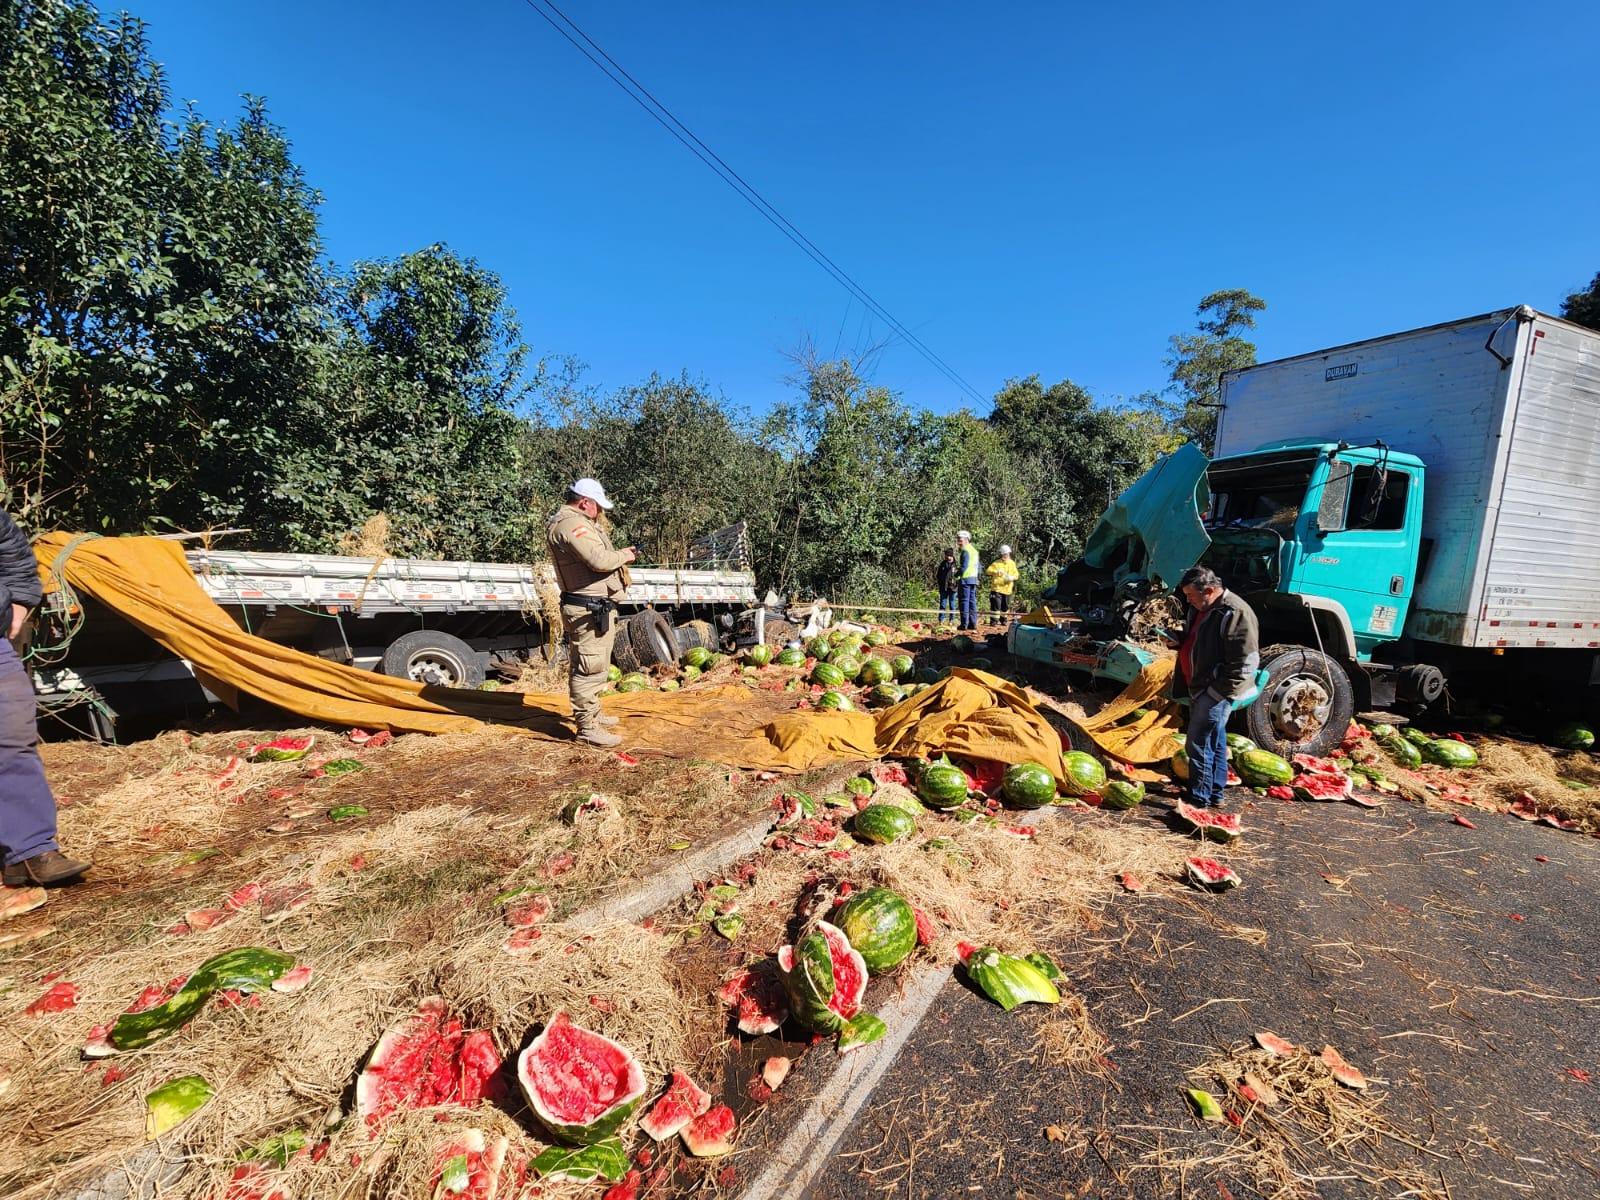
1259	492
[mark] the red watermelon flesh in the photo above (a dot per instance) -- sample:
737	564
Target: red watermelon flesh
574	1077
1311	764
849	972
775	1070
423	1060
681	1103
1273	1044
1213	823
711	1135
758	998
1316	786
293	980
1209	873
481	1159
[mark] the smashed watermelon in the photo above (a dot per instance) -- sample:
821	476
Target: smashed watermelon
825	978
283	749
757	997
710	1135
1209	874
423	1060
583	1087
472	1166
1212	824
681	1103
1319	786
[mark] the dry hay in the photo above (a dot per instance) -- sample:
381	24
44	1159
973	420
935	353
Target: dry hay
1317	1131
370	541
1508	768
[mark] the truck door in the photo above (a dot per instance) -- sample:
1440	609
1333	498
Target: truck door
1360	546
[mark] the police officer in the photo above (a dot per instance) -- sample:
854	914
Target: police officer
592	574
27	807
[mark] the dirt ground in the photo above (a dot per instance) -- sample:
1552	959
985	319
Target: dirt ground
1459	971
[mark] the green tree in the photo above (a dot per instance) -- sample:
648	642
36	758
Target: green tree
1584	307
1197	360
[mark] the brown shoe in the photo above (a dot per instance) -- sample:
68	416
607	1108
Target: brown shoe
50	869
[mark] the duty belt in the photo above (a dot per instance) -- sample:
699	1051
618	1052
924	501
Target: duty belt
600	606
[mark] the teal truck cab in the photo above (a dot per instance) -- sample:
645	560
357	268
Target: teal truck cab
1413	519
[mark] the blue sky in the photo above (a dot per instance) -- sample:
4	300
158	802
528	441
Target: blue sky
1030	188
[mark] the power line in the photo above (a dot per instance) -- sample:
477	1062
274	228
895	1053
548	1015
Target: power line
664	116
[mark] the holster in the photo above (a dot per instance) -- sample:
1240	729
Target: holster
601	607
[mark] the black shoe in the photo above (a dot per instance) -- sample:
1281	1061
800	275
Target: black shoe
50	869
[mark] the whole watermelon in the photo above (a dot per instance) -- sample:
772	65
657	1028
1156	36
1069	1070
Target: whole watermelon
882	824
1084	773
873	672
885	695
1122	793
880	926
929	676
758	655
1448	752
847	664
1403	752
835	702
875	638
902	666
1262	768
689	673
696	656
942	785
792	657
827	674
1574	736
1415	736
1028	785
1180	765
1238	744
819	648
961	644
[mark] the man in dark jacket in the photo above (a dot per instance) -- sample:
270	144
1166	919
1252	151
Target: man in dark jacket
27	807
947	587
1217	659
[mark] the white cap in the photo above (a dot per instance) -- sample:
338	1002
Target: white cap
590	489
1005	549
963	536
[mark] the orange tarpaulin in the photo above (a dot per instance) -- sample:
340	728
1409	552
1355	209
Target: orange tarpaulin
1151	737
148	582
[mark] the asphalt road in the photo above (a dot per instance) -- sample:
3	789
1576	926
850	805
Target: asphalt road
1460	973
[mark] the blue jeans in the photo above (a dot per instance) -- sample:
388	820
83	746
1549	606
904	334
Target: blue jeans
969	604
947	604
27	808
1207	746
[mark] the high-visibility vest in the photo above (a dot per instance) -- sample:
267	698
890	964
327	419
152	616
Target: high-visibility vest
969	564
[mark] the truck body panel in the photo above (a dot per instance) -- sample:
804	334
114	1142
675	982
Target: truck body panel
1504	410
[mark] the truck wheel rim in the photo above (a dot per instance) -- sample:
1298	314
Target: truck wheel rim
1300	707
435	667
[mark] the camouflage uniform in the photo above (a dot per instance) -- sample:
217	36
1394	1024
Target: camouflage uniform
586	564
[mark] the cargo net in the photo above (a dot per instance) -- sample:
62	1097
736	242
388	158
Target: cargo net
727	548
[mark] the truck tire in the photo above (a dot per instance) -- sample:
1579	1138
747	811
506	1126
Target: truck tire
651	634
695	633
1306	705
622	652
430	657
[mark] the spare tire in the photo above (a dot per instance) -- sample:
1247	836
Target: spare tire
622	652
651	634
695	633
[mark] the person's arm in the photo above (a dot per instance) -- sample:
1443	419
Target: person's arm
588	546
1240	648
19	576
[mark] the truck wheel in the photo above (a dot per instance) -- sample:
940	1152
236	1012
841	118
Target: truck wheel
651	634
434	658
695	633
1305	706
622	652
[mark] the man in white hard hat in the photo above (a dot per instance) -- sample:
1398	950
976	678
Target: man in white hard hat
1002	574
592	574
968	573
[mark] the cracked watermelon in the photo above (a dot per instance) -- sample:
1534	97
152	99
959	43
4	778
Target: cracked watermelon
244	969
710	1135
1322	785
882	824
880	926
1028	785
1212	824
582	1086
471	1166
1121	794
1209	874
173	1103
425	1059
757	998
681	1103
1010	981
1084	773
824	977
283	749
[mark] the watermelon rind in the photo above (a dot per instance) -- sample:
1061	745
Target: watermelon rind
1403	752
791	656
174	1102
1082	772
1212	825
1180	765
1448	752
1010	981
1046	965
1572	735
245	969
607	1158
881	927
710	1135
834	701
818	999
681	1103
1209	874
882	824
1121	794
1262	768
561	1040
1028	785
861	1030
942	785
1416	736
1239	744
284	749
